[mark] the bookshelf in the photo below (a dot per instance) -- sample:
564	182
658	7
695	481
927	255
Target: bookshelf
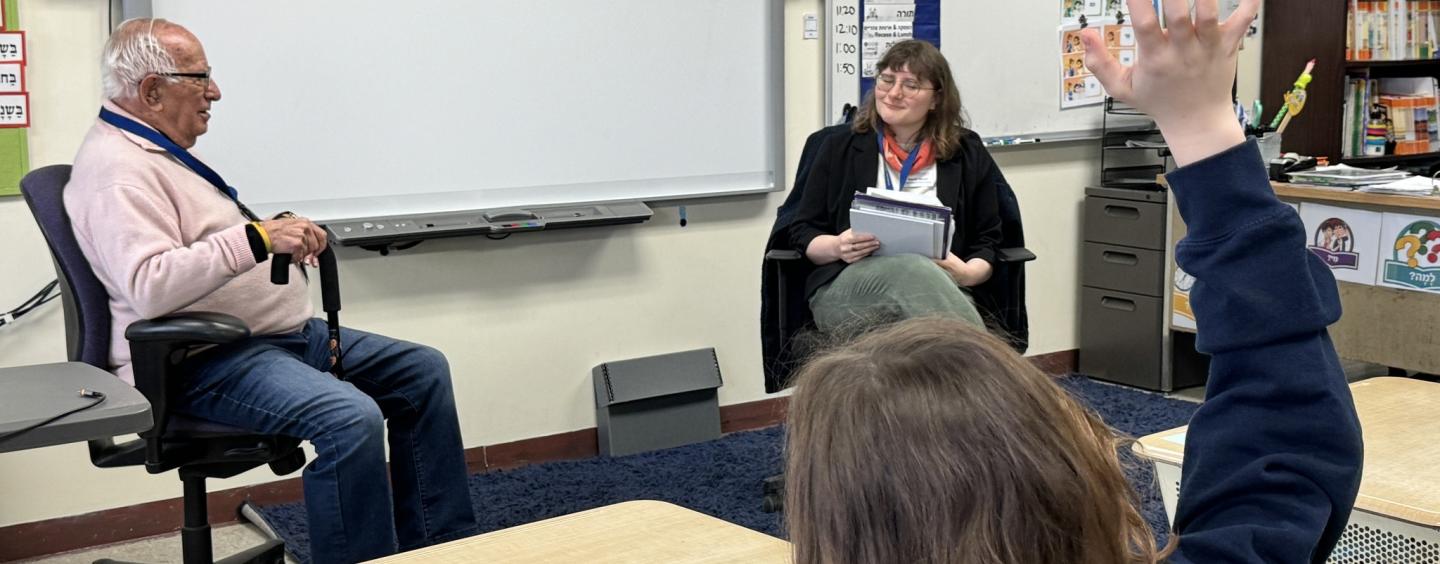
1296	31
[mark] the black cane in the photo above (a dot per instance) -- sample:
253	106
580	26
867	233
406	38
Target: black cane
329	298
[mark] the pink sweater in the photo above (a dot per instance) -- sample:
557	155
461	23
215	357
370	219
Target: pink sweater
163	240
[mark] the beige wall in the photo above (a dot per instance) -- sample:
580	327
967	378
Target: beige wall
523	320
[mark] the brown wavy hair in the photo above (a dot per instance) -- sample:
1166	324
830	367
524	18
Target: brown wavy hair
946	123
933	442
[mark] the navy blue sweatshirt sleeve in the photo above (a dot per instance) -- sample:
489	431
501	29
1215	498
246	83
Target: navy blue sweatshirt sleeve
1273	456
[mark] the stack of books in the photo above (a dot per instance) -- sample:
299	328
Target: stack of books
902	225
1392	30
1403	113
1346	177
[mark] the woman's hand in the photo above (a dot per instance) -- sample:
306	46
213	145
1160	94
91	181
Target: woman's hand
973	272
848	246
1182	74
854	246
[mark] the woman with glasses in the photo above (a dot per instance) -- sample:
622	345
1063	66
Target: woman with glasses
932	443
910	136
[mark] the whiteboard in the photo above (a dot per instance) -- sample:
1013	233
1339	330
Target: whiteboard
343	109
1006	61
1006	57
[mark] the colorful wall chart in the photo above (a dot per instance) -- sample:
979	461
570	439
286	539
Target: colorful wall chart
14	101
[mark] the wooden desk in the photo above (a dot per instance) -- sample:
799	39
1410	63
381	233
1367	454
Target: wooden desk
1386	326
1350	199
1398	510
634	531
1402	448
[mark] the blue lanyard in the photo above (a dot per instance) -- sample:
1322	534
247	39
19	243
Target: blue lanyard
904	168
194	164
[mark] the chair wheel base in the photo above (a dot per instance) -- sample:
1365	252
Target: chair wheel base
773	503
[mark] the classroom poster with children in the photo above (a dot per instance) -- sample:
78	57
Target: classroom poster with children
1072	10
1346	240
1181	315
1410	247
1120	40
1078	87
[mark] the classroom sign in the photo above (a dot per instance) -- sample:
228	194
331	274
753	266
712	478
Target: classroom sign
1412	250
14	110
1346	240
1181	315
12	47
12	78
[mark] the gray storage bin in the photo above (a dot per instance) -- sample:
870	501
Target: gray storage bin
1130	223
1120	340
657	402
1126	269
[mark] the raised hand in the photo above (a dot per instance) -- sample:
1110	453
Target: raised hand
1182	74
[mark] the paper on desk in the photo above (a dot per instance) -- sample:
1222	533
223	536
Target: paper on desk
1146	144
1346	176
1414	186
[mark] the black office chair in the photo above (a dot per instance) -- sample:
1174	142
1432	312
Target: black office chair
785	311
199	449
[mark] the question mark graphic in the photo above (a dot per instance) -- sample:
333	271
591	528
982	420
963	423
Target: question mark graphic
1413	242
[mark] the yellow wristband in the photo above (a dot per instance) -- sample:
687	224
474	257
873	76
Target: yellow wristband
265	236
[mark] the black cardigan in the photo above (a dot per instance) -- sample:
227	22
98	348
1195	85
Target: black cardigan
966	182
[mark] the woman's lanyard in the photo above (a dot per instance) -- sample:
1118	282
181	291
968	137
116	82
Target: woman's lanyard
185	158
904	168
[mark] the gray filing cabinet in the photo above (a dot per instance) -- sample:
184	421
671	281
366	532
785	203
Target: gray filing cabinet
1125	334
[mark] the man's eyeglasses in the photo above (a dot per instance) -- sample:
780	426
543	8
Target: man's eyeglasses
203	77
885	82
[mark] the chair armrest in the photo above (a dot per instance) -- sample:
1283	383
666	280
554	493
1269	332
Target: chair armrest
157	348
782	254
193	328
1014	254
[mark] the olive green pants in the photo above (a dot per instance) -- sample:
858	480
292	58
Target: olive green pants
880	290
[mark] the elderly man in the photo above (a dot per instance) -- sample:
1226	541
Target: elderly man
166	235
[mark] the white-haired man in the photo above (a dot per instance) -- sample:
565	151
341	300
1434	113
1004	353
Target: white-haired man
166	235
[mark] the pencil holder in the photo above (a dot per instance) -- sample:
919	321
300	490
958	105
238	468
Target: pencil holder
1269	146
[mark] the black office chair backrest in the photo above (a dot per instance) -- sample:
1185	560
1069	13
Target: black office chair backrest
783	308
87	304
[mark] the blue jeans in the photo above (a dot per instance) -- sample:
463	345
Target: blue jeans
280	384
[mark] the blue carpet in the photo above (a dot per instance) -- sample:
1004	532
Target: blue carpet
722	477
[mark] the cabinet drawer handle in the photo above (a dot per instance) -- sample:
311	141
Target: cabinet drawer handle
1121	304
1123	212
1124	259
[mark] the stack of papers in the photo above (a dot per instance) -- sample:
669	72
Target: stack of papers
1412	186
903	224
1346	176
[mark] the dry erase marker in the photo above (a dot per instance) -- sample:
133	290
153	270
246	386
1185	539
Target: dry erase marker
682	216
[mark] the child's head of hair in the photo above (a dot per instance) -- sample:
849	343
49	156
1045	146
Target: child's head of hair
931	441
